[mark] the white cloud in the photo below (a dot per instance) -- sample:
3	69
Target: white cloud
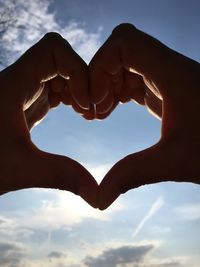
152	211
86	44
32	20
189	212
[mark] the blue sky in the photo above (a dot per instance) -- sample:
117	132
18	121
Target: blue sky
156	225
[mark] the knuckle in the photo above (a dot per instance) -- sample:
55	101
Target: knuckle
123	34
123	28
52	39
52	36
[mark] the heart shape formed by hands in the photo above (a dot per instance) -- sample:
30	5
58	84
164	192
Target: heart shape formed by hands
131	65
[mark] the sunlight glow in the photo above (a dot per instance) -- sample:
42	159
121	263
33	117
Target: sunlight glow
65	209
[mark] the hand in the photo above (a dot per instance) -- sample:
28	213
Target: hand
133	65
47	74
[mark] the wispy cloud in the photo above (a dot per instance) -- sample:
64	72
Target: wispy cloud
189	212
32	19
152	211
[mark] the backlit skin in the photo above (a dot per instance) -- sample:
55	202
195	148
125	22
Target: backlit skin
131	65
166	83
29	89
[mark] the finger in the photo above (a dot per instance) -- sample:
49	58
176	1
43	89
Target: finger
156	164
37	111
66	174
102	116
104	65
76	107
76	75
78	86
148	57
58	84
153	103
65	95
134	88
100	85
118	82
56	57
90	114
106	104
54	99
60	91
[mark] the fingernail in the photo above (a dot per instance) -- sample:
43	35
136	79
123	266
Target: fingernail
86	106
82	102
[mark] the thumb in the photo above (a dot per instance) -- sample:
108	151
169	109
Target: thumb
60	172
46	170
158	163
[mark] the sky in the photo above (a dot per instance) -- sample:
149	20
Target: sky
156	225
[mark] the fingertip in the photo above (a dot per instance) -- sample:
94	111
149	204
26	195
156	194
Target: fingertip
89	114
106	104
83	100
89	190
88	117
60	172
102	116
108	193
87	186
102	208
123	27
84	103
89	195
54	99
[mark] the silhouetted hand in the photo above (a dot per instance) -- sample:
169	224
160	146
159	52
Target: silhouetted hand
48	73
133	65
